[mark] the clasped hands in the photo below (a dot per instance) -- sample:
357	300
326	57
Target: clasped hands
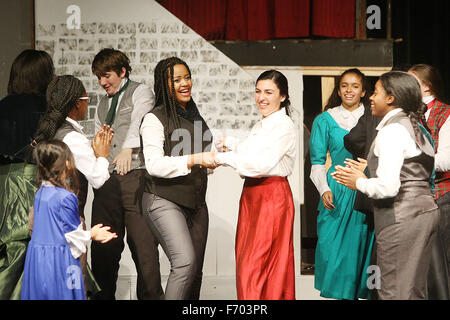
102	141
352	171
204	159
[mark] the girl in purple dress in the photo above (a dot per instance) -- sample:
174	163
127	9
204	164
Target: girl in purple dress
52	266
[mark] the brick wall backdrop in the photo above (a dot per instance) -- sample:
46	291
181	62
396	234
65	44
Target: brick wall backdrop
222	90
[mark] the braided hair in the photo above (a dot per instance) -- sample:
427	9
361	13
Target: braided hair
56	164
165	96
62	95
407	95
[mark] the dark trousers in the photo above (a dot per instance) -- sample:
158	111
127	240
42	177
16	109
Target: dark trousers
438	276
117	204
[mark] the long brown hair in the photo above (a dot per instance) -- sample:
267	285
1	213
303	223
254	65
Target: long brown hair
56	165
430	76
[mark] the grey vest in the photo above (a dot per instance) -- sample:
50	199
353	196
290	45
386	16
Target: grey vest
66	128
121	125
415	196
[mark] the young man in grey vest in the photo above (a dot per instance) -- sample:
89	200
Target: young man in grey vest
117	202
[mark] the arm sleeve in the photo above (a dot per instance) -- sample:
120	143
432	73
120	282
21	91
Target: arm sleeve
156	163
259	158
75	236
94	169
390	154
143	100
318	148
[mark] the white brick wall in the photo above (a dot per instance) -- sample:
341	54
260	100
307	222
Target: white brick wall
222	90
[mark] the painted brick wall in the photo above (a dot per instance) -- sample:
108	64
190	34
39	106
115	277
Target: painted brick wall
222	90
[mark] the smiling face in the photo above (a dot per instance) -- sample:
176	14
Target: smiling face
268	97
351	90
182	84
380	101
110	81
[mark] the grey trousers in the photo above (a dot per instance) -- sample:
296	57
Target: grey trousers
182	235
404	254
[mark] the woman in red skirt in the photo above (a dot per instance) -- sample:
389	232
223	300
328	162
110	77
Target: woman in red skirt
264	237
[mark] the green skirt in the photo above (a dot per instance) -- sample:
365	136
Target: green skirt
17	190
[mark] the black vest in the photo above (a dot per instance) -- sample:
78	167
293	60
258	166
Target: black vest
189	190
66	128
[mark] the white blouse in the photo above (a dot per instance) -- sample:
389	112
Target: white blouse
94	169
347	120
269	150
392	145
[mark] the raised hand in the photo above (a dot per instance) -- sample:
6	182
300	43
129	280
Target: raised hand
102	234
102	141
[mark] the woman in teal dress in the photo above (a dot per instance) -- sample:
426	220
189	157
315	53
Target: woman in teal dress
345	236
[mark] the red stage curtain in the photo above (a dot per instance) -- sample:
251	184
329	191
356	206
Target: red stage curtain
265	19
335	19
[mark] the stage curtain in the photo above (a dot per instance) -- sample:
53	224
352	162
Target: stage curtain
334	19
265	19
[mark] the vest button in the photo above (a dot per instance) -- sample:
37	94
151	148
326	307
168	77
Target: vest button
114	146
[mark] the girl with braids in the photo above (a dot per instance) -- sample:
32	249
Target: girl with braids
400	162
345	235
52	267
67	104
437	116
174	197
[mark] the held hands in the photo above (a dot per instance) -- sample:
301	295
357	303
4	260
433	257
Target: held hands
102	141
348	175
123	161
102	234
204	159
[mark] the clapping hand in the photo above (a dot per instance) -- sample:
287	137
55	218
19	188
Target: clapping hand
347	176
102	141
359	165
102	234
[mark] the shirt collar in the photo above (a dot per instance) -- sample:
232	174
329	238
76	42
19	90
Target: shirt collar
388	116
122	83
273	117
357	113
428	99
75	124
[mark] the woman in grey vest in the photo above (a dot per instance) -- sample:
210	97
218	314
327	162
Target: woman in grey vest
401	162
174	135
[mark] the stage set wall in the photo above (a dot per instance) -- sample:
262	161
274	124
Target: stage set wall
223	91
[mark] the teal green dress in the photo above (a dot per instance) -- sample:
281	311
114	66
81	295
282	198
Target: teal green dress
345	237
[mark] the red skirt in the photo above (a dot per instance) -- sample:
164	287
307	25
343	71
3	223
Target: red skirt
264	241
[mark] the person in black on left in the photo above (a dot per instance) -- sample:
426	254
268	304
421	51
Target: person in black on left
20	111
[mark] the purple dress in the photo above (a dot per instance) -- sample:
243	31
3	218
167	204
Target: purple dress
51	271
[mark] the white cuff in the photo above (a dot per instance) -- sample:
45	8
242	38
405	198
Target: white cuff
78	240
